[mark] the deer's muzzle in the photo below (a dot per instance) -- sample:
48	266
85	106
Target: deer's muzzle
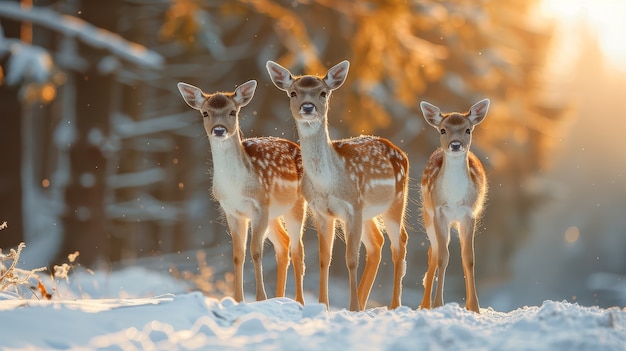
219	131
455	146
307	108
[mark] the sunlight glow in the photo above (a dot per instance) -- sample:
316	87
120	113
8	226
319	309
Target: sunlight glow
605	19
572	234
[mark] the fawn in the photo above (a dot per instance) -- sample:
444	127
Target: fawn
255	180
454	189
356	181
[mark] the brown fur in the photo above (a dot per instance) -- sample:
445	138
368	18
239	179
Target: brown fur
308	82
361	182
453	189
264	171
218	101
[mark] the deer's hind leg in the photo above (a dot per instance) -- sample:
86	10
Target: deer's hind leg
294	221
280	239
398	238
373	241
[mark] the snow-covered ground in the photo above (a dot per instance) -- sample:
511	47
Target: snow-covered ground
137	309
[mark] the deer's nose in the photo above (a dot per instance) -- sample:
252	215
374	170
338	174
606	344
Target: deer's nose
219	131
307	108
455	145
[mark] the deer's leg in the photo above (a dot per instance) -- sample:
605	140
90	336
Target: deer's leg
433	251
398	237
353	231
294	221
466	233
258	230
239	232
442	234
280	239
373	241
429	277
326	236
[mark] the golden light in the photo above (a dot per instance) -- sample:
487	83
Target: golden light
604	19
572	234
48	92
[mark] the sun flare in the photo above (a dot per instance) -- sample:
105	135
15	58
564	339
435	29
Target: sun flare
604	19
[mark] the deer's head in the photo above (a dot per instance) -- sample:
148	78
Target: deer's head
220	111
455	129
308	94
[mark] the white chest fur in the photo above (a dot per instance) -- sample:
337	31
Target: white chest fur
231	180
455	187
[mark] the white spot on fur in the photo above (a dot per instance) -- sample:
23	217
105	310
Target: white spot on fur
376	182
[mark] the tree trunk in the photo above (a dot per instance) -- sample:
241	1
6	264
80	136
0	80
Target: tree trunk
10	156
10	165
84	221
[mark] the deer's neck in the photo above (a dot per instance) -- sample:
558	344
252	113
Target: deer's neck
318	154
455	163
230	161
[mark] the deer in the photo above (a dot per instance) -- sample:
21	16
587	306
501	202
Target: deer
257	182
453	194
359	182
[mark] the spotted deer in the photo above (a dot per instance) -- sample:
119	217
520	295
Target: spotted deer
454	189
257	182
357	181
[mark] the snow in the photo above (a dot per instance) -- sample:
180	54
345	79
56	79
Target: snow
31	63
86	32
138	309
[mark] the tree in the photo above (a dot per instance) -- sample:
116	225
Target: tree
80	147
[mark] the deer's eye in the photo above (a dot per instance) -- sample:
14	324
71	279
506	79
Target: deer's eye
233	113
442	131
323	95
205	114
293	94
468	131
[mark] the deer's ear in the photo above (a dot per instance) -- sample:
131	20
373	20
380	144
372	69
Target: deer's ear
280	76
337	75
244	93
432	114
478	111
193	96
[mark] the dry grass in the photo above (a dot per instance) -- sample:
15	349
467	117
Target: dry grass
205	279
20	281
14	278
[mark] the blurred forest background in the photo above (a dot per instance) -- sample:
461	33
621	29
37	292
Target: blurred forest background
99	153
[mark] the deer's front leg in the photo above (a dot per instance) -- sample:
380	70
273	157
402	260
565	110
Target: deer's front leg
442	235
433	251
353	227
429	278
326	236
466	233
258	230
238	231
